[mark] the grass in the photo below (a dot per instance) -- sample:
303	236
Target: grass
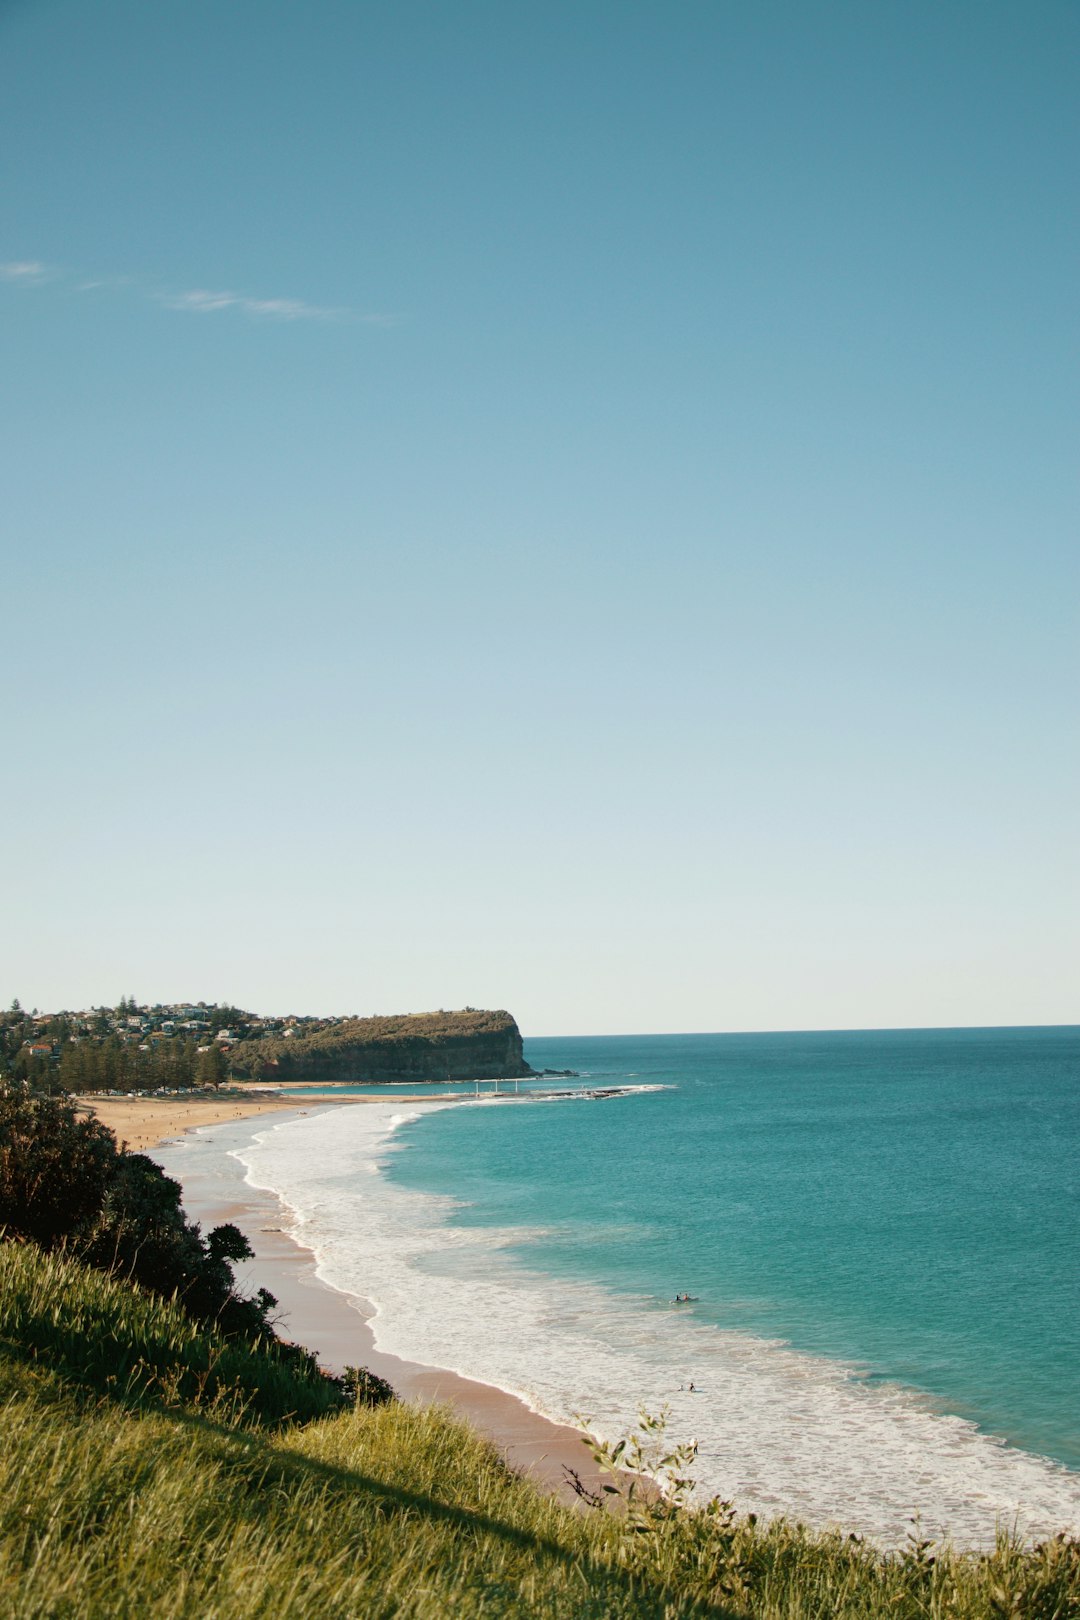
111	1338
139	1492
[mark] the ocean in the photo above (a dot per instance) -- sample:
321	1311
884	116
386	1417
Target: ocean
879	1231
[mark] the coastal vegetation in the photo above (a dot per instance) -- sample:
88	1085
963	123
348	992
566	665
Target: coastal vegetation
150	1467
66	1184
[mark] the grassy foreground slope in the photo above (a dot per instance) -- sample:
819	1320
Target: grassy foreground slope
149	1467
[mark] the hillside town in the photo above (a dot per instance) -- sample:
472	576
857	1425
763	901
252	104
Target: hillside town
166	1045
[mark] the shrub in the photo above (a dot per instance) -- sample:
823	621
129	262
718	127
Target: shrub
55	1166
65	1182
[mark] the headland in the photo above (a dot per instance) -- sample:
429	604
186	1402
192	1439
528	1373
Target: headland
440	1046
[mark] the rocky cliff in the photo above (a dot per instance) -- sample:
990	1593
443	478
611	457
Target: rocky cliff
468	1045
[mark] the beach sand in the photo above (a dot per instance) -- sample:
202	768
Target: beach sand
143	1122
333	1324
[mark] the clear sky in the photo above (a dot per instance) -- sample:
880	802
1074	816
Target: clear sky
566	505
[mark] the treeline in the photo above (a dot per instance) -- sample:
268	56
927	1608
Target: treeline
86	1065
112	1065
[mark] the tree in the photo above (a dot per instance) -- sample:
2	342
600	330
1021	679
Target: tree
212	1067
54	1166
143	1233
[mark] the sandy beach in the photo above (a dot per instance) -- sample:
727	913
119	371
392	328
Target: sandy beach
143	1122
333	1324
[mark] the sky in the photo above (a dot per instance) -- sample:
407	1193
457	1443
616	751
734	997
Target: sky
568	506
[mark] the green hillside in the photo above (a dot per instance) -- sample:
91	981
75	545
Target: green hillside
154	1468
466	1045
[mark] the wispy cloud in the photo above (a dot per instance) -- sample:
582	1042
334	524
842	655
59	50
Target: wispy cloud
199	301
108	283
193	301
24	270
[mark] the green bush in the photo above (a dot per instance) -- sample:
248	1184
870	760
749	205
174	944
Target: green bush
64	1181
55	1166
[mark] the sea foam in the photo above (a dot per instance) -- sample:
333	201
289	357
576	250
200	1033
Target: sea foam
779	1432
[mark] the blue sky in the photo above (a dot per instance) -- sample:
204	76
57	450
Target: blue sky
567	506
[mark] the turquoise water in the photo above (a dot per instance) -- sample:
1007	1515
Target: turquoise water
906	1201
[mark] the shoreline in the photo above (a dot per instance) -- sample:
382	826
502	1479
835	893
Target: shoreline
782	1432
334	1324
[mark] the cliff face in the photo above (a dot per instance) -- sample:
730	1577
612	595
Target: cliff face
416	1047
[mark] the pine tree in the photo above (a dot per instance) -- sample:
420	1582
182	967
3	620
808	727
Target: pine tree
211	1069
